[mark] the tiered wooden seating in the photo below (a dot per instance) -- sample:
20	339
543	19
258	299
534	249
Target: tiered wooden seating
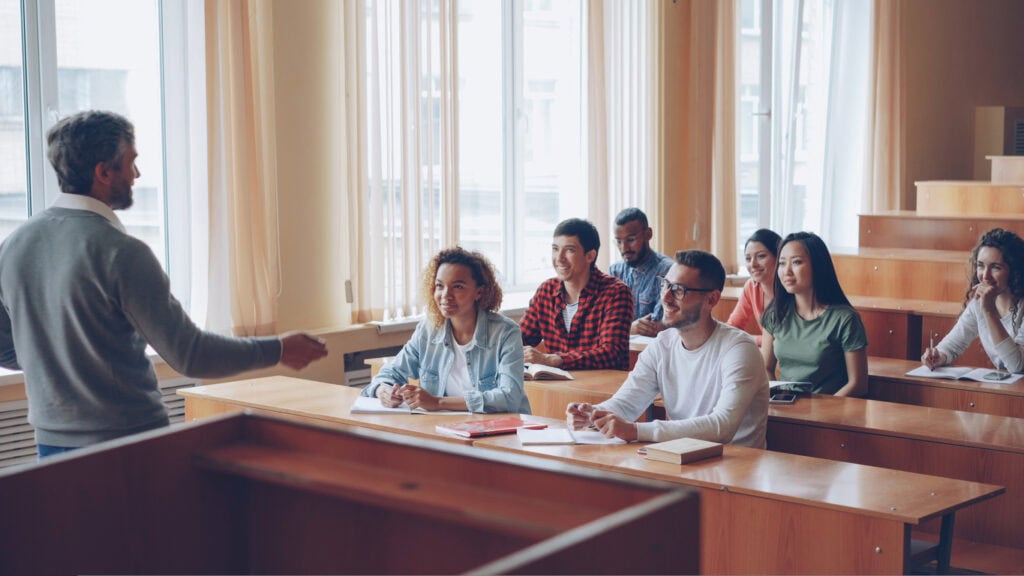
909	274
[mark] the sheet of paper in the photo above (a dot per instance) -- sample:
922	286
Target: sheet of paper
367	405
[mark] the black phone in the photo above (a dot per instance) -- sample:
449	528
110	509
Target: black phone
997	376
783	398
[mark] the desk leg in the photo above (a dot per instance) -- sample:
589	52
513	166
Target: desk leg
945	544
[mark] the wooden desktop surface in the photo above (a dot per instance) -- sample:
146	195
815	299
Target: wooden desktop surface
315	402
956	444
887	380
761	509
549	397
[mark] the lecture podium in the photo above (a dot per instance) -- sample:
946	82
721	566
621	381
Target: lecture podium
243	493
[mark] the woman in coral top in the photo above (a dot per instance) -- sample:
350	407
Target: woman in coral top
761	252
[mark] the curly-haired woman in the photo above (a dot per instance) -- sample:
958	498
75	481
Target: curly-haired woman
993	305
465	354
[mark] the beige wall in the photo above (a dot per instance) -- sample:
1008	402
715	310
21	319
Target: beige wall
957	54
313	207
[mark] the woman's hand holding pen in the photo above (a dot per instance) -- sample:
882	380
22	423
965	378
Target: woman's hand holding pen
417	397
390	396
932	358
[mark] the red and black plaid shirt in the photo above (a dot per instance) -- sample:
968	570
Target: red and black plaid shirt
599	338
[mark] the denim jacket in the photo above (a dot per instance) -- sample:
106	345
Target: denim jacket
495	361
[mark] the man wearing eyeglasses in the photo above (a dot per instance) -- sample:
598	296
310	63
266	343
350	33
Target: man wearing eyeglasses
709	374
640	268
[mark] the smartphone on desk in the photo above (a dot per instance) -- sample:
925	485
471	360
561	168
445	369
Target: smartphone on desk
783	398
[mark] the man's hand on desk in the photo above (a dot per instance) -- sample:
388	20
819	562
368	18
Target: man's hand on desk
533	356
299	349
613	426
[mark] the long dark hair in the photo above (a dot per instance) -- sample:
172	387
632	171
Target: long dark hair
827	290
767	238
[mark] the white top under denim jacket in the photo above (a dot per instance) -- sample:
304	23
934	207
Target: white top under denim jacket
1006	355
495	361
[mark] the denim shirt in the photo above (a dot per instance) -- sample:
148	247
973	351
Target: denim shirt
642	279
494	360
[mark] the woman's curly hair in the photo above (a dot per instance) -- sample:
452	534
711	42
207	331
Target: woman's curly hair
1011	247
479	267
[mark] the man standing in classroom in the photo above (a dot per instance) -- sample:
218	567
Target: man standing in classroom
582	315
640	268
708	373
80	298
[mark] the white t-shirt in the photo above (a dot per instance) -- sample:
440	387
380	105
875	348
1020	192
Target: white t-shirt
718	392
569	313
458	381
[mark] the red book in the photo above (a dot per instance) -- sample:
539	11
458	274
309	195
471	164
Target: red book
475	428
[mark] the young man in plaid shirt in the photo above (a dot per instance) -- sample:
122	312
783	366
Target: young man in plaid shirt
582	315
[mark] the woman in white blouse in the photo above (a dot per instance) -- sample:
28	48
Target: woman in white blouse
993	306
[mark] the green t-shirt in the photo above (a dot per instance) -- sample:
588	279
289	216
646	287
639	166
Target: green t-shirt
813	350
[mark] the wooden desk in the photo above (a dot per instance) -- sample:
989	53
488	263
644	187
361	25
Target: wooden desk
550	397
247	494
770	512
955	444
887	380
315	402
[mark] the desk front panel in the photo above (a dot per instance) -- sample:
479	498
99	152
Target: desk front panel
997	521
767	512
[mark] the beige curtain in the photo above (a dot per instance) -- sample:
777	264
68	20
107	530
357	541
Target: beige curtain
244	249
723	163
622	100
885	156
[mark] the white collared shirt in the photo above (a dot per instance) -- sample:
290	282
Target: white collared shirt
88	203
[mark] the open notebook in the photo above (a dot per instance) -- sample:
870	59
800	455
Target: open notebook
367	405
563	436
963	373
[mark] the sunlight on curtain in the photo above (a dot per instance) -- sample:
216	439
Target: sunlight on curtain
244	244
820	76
410	143
622	96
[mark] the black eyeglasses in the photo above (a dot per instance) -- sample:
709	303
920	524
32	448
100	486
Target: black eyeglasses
678	290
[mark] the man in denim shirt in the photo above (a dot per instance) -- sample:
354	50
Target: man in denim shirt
640	268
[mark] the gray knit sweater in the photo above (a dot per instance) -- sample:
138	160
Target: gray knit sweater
80	300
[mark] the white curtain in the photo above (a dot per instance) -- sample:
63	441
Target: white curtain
821	55
244	246
408	98
622	101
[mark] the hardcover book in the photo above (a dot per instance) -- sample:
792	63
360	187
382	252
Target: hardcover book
542	372
683	450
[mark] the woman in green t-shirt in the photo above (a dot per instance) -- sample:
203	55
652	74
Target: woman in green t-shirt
810	329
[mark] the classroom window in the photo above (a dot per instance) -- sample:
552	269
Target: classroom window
59	57
474	120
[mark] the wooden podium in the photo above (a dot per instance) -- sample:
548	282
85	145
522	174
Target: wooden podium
250	494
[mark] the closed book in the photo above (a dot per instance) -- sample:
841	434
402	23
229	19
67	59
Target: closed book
476	428
683	450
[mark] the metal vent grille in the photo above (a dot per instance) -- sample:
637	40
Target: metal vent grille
1018	138
17	438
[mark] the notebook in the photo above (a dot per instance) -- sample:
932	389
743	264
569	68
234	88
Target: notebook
563	436
963	373
367	405
477	428
787	386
